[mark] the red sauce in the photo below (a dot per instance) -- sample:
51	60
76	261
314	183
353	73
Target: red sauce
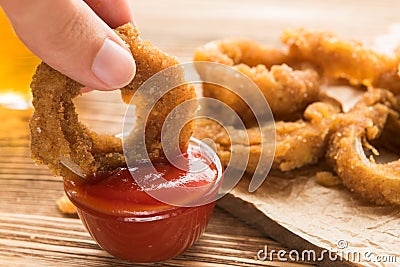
132	225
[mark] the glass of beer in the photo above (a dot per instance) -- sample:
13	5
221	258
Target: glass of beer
17	65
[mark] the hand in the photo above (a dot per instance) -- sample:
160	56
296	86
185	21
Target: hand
75	38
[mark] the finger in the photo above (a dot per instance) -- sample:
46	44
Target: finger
86	90
115	13
71	38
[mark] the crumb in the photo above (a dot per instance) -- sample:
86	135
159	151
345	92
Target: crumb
65	205
327	179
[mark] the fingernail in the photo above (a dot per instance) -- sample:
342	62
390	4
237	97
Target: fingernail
114	65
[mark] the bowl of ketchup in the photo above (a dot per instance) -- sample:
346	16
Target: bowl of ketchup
127	221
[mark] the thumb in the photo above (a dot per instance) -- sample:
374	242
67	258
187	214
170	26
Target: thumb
72	39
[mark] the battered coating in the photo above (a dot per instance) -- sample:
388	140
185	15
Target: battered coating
341	58
287	91
57	135
352	132
149	61
298	143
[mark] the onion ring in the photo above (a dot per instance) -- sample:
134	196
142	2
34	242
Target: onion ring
378	183
340	58
287	91
298	143
57	135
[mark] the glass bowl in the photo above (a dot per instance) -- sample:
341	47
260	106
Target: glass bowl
132	225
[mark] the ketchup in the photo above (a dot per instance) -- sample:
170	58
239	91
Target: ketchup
130	224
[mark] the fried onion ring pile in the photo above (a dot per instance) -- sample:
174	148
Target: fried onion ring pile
314	58
352	134
287	91
303	113
57	135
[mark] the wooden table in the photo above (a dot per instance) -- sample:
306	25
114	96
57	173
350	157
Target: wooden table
34	233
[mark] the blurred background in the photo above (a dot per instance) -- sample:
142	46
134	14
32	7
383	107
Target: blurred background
180	26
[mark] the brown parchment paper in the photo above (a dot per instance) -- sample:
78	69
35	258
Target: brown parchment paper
331	219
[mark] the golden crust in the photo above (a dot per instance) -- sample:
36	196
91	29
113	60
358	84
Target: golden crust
149	61
55	130
58	135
